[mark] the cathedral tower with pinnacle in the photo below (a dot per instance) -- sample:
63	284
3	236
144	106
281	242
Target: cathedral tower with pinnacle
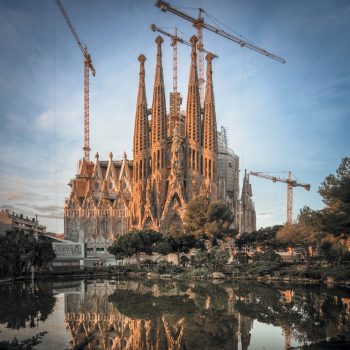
141	151
210	141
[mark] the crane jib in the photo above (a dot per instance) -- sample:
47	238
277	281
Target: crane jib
165	6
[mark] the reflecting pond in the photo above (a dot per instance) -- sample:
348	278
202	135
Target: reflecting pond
119	314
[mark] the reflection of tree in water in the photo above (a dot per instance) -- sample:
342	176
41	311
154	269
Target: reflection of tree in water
308	313
27	344
23	306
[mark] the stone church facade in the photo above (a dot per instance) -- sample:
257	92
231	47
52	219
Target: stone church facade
172	164
175	159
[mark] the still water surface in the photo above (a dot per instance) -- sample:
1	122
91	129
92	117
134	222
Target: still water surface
172	315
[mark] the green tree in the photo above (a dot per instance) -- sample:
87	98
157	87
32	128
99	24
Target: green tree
208	218
217	258
200	258
19	252
213	260
264	238
305	234
134	243
335	191
175	243
44	254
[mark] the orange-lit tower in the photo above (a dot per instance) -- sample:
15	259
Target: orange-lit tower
141	150
193	127
158	136
210	141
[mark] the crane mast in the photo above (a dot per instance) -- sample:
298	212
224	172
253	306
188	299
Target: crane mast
291	183
88	66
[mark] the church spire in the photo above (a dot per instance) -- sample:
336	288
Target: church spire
210	142
248	214
159	78
193	112
141	149
247	188
141	134
158	125
158	137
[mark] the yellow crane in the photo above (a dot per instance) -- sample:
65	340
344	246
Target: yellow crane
88	66
291	183
199	24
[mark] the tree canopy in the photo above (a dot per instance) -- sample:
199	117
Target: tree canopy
264	238
134	243
207	217
335	191
175	243
19	252
305	233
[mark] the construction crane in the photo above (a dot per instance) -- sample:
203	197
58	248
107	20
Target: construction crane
174	40
290	184
88	66
199	24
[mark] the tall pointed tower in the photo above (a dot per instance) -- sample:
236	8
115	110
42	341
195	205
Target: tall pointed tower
193	127
158	137
210	141
248	215
141	151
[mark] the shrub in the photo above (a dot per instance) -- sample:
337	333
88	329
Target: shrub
268	255
165	267
197	272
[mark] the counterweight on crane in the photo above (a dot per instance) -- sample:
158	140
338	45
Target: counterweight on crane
290	184
199	24
88	66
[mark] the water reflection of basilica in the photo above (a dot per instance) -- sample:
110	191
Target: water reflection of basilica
154	317
173	315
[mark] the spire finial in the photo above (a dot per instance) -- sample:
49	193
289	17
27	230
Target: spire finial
159	40
97	155
209	57
158	79
124	155
194	41
142	58
110	155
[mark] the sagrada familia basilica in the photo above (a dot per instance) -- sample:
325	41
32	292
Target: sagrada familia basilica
176	157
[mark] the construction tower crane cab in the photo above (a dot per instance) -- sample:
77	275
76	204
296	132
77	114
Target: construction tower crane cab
89	62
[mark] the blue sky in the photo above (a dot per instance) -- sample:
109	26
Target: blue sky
279	117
